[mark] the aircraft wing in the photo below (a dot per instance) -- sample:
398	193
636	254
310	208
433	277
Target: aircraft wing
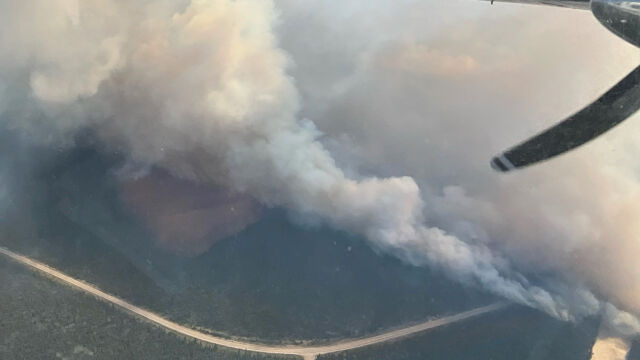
575	4
612	108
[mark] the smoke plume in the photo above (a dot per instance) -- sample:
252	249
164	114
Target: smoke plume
219	91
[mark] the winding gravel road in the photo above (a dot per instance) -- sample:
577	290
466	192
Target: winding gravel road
306	352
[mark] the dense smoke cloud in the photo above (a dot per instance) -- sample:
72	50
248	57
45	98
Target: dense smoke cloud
217	91
519	69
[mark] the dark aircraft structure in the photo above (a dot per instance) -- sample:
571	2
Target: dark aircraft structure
616	105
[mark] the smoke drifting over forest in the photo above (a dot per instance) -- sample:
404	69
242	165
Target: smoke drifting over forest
372	118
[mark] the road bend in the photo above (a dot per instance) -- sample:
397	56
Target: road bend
306	352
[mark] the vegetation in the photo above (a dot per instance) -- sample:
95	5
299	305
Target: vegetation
42	319
514	333
275	281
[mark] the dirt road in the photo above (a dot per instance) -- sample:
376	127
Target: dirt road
307	352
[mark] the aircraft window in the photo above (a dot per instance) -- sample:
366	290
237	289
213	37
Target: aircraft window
281	179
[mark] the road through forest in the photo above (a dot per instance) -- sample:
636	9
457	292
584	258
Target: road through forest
306	352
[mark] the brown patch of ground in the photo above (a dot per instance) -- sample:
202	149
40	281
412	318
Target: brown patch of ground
185	217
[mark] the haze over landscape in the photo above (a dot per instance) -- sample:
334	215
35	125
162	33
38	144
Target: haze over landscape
254	164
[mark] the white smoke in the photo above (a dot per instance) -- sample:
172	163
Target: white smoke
519	69
203	89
